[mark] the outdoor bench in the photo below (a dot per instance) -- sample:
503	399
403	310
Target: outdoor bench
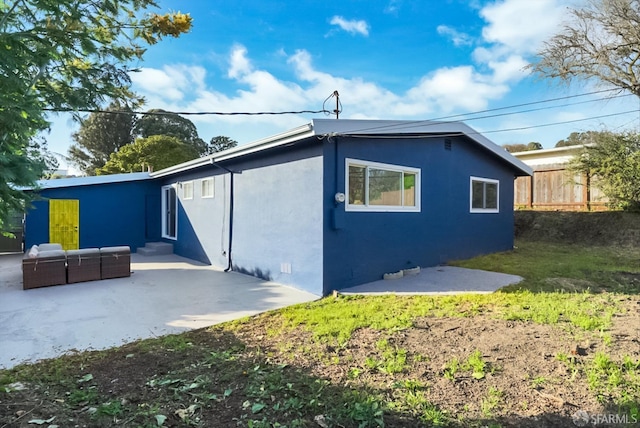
47	264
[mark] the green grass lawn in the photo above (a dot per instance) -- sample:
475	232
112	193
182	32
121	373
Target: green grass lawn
352	361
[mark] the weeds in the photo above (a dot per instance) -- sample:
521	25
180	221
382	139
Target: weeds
393	359
474	364
491	402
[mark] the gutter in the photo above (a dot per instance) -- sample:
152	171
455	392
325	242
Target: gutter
231	197
266	143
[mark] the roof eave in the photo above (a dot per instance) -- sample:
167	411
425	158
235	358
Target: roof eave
290	136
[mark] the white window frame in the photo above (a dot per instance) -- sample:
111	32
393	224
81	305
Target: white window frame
211	186
384	166
484	180
165	212
187	185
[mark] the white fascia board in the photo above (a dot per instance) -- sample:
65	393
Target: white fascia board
554	150
89	180
282	139
292	135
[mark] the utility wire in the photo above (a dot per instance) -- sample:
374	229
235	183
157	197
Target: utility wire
354	133
406	124
203	113
423	122
184	113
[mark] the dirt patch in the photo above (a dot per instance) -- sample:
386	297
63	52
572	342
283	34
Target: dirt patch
611	228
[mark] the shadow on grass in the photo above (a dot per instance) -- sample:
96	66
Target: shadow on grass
213	379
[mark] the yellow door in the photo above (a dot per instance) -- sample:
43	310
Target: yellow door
64	222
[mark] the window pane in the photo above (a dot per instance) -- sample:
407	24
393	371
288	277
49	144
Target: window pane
356	185
385	187
409	189
187	190
477	194
491	198
207	188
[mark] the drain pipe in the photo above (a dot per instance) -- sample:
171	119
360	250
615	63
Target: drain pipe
231	194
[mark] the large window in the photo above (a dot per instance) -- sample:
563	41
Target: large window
485	195
373	186
169	212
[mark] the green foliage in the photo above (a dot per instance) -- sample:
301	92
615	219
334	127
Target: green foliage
160	122
451	368
520	147
515	148
220	143
578	138
63	55
614	161
365	410
152	153
100	135
491	402
534	145
393	359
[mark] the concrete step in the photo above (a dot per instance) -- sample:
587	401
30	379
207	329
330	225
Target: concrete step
155	249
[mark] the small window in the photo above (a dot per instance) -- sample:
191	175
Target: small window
207	188
373	186
187	190
485	195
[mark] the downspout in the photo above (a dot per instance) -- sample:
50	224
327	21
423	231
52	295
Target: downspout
231	193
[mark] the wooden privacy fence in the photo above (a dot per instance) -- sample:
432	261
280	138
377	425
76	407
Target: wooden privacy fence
556	188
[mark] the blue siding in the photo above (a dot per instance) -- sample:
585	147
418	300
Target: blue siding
110	214
365	245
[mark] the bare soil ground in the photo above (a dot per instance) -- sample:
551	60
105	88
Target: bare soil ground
256	374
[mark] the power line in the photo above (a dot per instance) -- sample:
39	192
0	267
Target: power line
522	128
353	133
185	113
218	113
407	124
426	122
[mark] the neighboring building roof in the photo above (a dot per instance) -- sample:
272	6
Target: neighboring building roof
92	180
557	155
346	127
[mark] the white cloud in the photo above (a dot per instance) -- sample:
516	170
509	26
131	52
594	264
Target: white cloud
458	88
445	90
512	69
458	38
170	81
239	64
522	26
393	7
352	26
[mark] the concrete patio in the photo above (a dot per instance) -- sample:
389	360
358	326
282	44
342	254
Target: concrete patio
164	295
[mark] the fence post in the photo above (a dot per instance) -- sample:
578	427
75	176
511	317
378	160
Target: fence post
586	192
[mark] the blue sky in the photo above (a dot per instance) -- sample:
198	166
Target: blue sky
388	59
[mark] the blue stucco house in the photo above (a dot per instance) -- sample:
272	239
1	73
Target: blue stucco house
328	205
